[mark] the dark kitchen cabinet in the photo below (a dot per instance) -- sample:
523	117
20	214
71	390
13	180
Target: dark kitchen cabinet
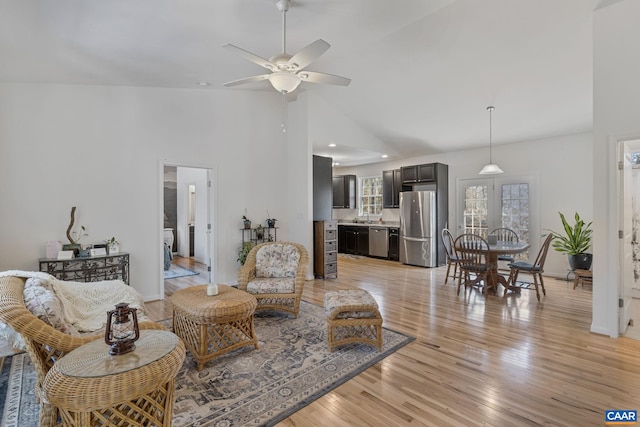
363	241
344	192
394	244
350	241
353	239
421	173
391	188
322	191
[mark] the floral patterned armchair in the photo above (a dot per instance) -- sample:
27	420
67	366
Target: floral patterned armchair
274	272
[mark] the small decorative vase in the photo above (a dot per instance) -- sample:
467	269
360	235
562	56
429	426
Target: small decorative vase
247	224
271	223
114	248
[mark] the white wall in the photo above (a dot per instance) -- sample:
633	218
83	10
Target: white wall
616	112
101	149
561	165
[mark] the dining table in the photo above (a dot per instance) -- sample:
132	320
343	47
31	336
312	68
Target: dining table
496	250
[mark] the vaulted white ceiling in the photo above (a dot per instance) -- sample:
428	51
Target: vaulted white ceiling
423	71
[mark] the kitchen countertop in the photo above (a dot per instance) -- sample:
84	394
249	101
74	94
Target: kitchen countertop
372	224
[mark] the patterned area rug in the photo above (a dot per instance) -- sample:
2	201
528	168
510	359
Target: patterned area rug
291	368
175	271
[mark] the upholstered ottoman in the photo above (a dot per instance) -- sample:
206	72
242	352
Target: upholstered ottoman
352	316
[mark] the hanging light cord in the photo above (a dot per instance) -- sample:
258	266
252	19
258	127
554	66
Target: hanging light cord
490	134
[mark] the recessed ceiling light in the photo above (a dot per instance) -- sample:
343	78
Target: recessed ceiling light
203	83
335	164
332	145
384	156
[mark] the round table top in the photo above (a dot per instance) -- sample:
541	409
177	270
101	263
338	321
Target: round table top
230	304
509	247
502	248
93	359
75	389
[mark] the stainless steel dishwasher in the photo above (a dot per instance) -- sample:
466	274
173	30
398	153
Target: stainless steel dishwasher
379	242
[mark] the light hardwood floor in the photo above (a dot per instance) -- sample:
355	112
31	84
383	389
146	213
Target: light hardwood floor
476	360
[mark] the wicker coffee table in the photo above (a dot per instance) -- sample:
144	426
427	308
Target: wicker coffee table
90	387
213	325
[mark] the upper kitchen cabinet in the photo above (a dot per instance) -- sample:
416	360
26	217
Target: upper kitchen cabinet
391	188
427	173
344	192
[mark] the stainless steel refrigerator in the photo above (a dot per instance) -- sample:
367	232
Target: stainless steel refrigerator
418	236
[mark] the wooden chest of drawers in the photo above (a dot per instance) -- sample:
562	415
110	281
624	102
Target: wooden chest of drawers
325	249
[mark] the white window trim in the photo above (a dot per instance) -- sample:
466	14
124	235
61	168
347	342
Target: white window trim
359	195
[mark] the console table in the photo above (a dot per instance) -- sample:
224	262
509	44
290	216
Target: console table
88	269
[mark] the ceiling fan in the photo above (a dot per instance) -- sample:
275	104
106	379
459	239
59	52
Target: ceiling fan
287	72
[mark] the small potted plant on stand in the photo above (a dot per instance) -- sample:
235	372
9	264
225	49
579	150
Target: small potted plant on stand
575	242
113	246
244	251
246	221
271	222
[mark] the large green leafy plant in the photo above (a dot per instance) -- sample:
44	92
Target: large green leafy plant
576	239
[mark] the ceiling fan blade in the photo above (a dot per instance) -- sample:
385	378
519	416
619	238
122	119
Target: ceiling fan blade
250	56
251	79
324	78
308	54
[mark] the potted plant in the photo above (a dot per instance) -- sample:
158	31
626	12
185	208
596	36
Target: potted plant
271	222
575	241
259	232
246	221
244	251
113	246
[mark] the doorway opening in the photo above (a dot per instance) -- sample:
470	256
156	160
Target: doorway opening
629	223
187	232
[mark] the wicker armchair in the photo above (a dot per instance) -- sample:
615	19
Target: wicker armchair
274	272
44	344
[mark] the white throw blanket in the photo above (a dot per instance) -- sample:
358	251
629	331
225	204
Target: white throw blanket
86	304
27	274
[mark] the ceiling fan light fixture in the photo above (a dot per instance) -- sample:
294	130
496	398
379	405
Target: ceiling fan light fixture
490	168
283	81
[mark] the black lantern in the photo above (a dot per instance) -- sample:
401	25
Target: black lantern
121	331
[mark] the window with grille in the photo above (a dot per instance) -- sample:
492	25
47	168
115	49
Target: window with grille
371	196
512	209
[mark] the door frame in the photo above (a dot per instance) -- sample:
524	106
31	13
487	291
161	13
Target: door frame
624	183
535	233
212	216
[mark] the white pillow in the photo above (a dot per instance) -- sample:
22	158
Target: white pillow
44	304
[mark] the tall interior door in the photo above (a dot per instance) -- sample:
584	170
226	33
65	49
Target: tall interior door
485	204
627	196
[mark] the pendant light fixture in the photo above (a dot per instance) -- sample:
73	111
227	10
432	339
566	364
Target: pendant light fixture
491	168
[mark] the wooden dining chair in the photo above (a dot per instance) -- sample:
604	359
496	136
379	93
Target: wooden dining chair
452	258
536	269
504	234
473	259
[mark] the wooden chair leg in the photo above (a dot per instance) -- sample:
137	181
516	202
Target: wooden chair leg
542	284
446	277
460	284
511	281
535	283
